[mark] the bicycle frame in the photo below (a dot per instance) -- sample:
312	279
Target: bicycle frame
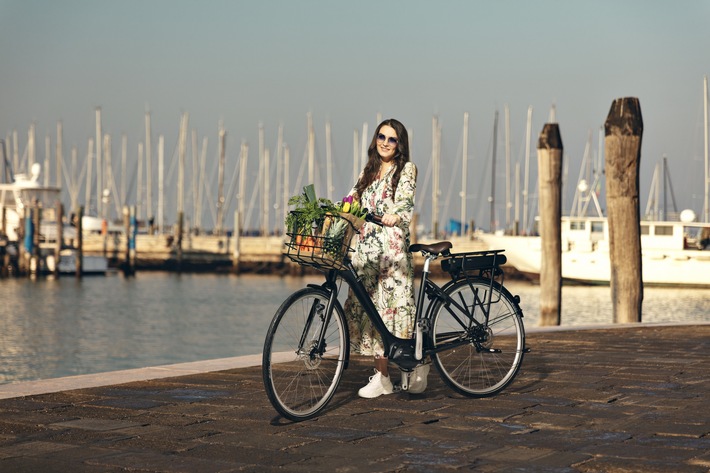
407	353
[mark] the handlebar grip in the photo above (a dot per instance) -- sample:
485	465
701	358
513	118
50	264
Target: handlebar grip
374	218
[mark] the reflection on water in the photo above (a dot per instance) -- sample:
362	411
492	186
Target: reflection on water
584	305
51	328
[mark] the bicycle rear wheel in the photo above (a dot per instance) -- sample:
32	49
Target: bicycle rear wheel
301	372
477	359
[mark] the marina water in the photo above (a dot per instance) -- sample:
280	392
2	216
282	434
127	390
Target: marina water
53	328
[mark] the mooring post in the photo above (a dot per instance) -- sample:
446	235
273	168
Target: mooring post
127	270
60	237
36	258
549	162
132	239
237	242
623	130
79	243
180	225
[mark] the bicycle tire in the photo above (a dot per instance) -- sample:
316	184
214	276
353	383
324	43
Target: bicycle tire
300	382
479	361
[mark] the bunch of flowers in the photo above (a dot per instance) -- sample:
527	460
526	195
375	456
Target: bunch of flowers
352	214
351	206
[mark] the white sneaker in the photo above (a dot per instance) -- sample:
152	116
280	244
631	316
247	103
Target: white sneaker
377	386
418	379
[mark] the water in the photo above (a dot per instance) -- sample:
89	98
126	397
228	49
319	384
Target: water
53	328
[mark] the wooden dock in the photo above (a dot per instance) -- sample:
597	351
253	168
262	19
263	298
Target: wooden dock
219	253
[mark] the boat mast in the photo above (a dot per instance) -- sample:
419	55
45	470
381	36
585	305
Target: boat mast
364	148
124	157
220	177
287	171
266	195
528	133
104	193
195	179
493	173
74	186
59	153
89	160
243	156
15	153
139	182
311	150
328	161
47	156
516	225
435	135
652	204
706	208
464	173
201	183
31	148
508	203
161	165
182	149
280	191
148	174
99	167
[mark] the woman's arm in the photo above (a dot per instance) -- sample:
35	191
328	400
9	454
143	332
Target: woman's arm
403	209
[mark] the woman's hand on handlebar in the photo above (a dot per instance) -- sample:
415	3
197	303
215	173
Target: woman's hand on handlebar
386	220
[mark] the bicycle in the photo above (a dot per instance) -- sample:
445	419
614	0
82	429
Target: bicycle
471	327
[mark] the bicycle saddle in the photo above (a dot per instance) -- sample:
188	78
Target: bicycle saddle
440	248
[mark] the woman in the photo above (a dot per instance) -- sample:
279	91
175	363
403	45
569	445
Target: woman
385	187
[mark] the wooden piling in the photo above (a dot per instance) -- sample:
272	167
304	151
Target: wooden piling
180	225
127	263
132	239
549	162
79	243
237	241
36	259
623	130
60	237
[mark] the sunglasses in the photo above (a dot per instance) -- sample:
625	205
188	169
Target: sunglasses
390	140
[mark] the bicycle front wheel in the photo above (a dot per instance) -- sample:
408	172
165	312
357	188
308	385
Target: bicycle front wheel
301	369
475	355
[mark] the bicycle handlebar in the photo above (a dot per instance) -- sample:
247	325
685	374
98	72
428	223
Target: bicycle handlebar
374	218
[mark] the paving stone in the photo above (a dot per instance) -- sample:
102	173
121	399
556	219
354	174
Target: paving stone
100	425
149	461
31	449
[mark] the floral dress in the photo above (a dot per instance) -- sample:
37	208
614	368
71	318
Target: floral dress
384	264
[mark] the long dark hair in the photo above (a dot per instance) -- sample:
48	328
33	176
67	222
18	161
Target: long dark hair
401	157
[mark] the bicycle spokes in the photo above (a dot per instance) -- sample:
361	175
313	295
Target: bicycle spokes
478	340
304	354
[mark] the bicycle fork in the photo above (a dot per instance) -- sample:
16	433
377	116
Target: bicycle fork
319	314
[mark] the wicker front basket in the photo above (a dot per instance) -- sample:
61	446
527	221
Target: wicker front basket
324	248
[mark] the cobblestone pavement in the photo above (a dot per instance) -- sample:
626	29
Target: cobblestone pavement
616	399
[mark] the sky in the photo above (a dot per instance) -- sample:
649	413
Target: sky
270	63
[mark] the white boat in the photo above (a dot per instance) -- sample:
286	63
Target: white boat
673	253
26	191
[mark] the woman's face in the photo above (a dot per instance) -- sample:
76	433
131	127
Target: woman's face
387	140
